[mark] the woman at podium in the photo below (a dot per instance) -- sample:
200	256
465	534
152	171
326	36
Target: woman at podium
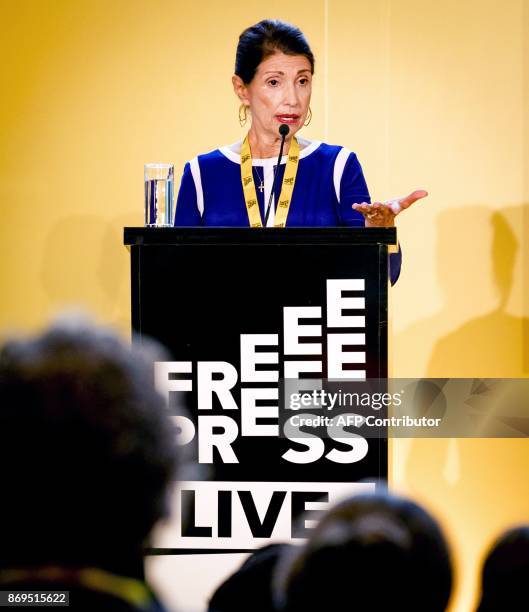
317	184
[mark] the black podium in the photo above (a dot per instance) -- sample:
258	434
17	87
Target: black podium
242	310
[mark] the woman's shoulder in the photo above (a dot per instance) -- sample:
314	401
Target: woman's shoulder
211	157
333	150
212	163
336	158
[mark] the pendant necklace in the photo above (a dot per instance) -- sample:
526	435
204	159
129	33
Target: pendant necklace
261	180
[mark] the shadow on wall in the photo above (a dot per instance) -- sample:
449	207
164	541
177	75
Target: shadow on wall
493	344
85	264
496	343
479	330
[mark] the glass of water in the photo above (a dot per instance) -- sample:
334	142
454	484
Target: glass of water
159	189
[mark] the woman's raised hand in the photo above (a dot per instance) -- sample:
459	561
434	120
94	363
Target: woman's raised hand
382	214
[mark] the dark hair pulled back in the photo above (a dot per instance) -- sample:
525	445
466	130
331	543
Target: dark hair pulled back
263	39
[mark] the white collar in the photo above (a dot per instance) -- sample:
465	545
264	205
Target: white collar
233	152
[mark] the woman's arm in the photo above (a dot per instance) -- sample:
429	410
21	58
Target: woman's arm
187	213
353	190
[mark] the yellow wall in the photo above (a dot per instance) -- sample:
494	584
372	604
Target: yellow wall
429	94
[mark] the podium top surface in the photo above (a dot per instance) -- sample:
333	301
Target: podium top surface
138	236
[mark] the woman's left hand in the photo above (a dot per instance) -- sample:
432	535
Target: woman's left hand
382	214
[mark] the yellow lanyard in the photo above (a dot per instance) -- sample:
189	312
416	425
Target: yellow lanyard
248	185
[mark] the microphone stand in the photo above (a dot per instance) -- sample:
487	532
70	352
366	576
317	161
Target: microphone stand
283	130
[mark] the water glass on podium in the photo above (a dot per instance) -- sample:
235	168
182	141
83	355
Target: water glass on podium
159	189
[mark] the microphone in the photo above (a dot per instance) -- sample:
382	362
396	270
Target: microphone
283	131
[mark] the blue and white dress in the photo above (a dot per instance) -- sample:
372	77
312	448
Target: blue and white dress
328	181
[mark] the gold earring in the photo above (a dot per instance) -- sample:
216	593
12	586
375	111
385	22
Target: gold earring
243	114
309	118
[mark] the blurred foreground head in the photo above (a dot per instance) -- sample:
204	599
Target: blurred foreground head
87	448
505	576
370	552
250	586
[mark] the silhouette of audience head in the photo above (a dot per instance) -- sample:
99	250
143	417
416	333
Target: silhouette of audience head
249	588
505	574
87	450
370	552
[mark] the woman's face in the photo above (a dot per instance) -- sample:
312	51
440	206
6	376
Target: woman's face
279	93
